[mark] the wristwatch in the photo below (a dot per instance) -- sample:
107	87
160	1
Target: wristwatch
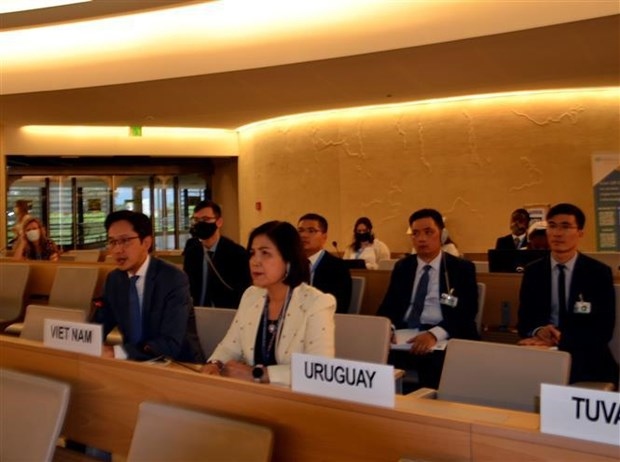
258	372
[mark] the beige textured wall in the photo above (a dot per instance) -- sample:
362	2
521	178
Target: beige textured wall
475	160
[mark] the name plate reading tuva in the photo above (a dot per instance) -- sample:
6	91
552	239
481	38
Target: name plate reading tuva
580	413
73	336
357	381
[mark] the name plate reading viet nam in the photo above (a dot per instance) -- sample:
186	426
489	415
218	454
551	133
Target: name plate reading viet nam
78	337
581	413
357	381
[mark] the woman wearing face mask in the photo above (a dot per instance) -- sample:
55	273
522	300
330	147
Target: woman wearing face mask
366	246
280	314
34	244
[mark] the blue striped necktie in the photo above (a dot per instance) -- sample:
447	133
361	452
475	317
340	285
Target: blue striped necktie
135	317
418	299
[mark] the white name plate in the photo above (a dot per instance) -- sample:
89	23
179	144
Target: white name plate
78	337
580	413
357	381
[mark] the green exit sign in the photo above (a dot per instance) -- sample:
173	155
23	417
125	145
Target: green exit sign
135	130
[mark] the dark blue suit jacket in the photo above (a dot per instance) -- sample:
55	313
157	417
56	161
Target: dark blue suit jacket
168	321
585	336
332	276
459	321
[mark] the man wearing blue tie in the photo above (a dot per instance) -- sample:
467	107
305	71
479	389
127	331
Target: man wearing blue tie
432	292
567	300
147	298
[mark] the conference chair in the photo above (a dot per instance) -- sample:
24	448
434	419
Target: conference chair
13	281
165	432
358	286
212	325
497	374
87	255
36	315
482	295
614	344
481	266
387	265
74	287
362	338
32	412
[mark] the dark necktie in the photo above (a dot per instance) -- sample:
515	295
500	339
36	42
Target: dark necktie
135	317
207	275
418	299
517	242
561	289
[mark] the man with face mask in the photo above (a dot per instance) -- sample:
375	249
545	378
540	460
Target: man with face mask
218	268
517	239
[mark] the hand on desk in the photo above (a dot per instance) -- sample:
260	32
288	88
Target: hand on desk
422	344
107	351
547	336
237	370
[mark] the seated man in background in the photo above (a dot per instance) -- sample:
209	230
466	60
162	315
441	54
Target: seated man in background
147	298
567	300
433	292
517	239
218	268
329	274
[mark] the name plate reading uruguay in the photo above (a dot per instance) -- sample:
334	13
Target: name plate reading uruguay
78	337
580	413
357	381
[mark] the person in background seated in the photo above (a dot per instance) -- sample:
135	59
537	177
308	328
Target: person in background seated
365	246
147	298
33	243
567	300
329	274
537	236
432	292
517	239
20	210
216	266
279	315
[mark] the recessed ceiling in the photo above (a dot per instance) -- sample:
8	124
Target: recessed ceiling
397	53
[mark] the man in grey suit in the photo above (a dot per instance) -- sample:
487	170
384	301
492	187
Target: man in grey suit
567	300
147	298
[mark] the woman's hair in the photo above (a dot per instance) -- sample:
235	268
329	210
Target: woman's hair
362	221
22	206
286	239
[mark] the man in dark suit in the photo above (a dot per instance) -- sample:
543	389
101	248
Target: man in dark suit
329	274
218	268
567	300
517	239
147	298
433	292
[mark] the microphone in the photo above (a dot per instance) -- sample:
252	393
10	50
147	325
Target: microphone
335	244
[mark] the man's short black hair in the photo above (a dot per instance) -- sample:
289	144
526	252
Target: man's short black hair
568	209
316	217
427	213
217	210
140	222
524	213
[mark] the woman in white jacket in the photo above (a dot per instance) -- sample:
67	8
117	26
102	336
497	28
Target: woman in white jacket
278	315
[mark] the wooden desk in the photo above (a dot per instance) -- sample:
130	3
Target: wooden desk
106	393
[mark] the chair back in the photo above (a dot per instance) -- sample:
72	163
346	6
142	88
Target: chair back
500	375
86	255
13	281
614	344
74	287
362	338
32	412
481	266
36	315
387	265
212	325
166	432
482	295
358	285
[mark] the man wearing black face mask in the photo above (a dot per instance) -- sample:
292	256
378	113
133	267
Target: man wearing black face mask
218	268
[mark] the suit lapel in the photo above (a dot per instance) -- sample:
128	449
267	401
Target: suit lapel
294	318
